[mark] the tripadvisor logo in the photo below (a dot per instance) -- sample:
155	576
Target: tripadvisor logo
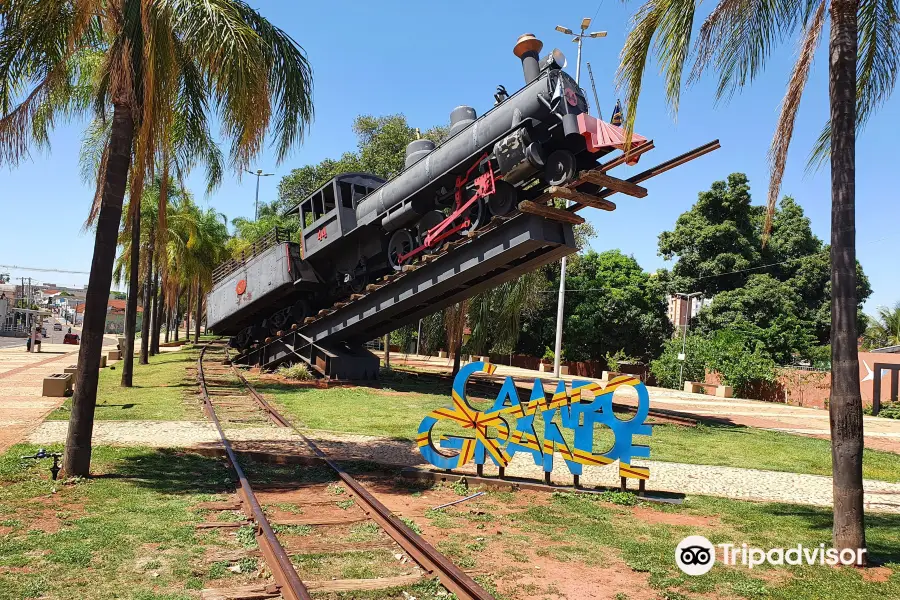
696	555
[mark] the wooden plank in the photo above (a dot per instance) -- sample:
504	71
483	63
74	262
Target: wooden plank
372	287
340	304
309	320
408	268
613	183
324	311
550	212
316	521
581	197
338	548
246	592
220	524
357	296
352	585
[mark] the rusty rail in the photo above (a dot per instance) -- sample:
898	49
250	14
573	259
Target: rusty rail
429	558
290	586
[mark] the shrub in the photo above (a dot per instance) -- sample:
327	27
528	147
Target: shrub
298	372
726	352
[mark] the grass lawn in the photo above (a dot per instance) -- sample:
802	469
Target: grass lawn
163	391
128	531
396	410
588	534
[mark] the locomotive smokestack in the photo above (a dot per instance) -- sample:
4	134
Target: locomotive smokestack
527	49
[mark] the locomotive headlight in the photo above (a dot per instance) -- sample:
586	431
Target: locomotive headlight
559	58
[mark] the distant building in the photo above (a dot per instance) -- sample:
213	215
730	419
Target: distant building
682	310
115	316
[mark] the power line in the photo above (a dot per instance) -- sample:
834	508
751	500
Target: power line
43	270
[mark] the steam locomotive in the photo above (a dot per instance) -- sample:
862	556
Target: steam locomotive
358	227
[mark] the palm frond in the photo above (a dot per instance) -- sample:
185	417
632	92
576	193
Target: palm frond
877	68
784	130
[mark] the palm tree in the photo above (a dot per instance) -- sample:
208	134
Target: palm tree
205	249
884	329
735	40
159	58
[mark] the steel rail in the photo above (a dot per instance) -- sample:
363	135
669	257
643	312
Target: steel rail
290	586
658	169
429	558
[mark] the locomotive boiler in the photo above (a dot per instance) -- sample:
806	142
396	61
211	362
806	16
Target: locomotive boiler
358	227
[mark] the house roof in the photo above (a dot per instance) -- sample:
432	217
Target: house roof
113	306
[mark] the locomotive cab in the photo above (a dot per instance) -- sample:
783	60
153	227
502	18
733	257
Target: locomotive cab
329	213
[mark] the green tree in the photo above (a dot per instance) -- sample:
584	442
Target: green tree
156	60
717	240
735	40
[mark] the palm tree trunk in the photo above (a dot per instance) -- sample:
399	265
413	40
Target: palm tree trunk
131	309
168	321
387	351
148	300
77	459
197	316
846	400
157	316
187	316
177	311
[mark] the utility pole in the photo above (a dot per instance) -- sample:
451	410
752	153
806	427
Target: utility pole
594	89
259	173
561	302
683	356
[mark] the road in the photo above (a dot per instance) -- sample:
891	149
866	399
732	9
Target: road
52	337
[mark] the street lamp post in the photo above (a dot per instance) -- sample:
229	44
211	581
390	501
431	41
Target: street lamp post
683	356
259	173
561	301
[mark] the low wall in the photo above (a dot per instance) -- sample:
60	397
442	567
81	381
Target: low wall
812	389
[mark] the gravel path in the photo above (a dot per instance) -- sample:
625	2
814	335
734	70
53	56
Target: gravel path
729	482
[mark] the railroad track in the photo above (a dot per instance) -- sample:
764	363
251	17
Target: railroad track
228	393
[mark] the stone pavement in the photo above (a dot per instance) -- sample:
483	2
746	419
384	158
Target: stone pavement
22	408
879	433
728	482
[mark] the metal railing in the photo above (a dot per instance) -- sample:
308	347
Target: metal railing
277	235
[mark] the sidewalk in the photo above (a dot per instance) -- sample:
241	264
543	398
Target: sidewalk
22	408
879	433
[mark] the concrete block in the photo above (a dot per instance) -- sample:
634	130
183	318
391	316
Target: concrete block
689	386
115	355
441	354
72	370
724	391
102	361
545	368
57	385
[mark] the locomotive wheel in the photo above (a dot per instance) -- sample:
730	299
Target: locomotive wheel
476	215
242	340
503	200
401	243
279	321
300	310
560	168
428	220
359	283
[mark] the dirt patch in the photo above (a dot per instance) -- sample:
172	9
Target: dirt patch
4	530
877	574
648	515
48	522
575	581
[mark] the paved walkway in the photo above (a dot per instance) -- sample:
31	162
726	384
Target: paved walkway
22	408
881	434
21	378
728	482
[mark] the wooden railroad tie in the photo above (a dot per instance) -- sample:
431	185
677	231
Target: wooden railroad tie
309	320
372	287
220	524
355	297
340	304
324	312
408	268
580	197
550	212
316	521
613	183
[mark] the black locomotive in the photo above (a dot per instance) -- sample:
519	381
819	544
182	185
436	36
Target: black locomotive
358	227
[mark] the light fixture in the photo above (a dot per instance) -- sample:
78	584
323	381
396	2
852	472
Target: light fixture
562	29
597	34
585	23
559	58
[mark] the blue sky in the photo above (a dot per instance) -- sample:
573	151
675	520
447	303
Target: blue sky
425	58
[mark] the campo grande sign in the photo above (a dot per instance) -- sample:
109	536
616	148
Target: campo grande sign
508	426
